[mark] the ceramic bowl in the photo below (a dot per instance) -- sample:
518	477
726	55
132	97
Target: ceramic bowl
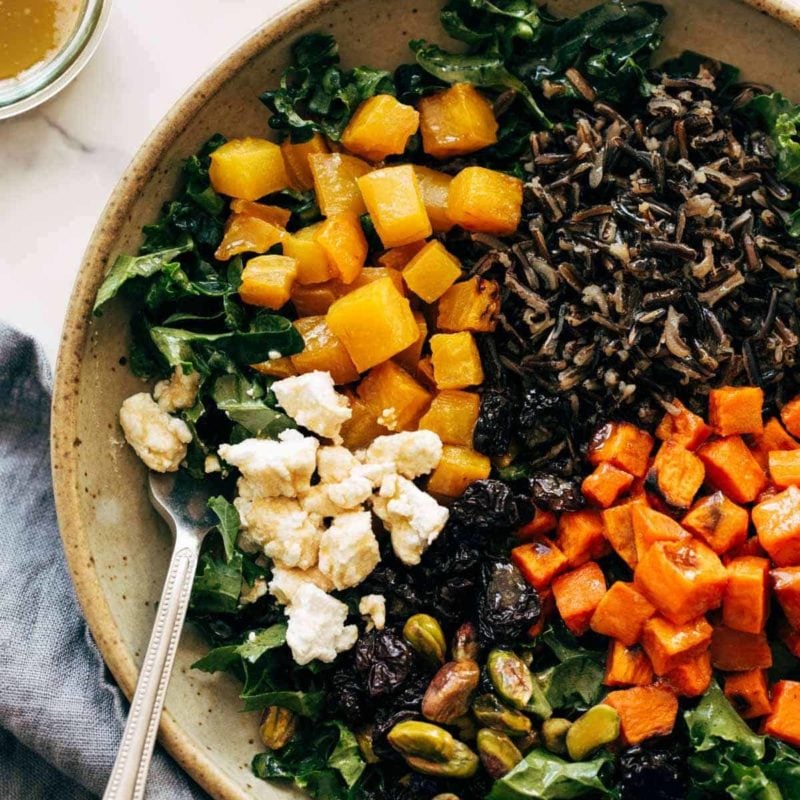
116	546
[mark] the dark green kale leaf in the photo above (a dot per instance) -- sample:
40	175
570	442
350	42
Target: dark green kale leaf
781	118
502	26
316	95
255	645
217	584
227	525
247	404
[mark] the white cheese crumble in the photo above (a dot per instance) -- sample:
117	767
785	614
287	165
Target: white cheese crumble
313	402
412	517
348	549
286	582
373	608
251	594
410	453
211	464
180	391
317	627
335	463
158	439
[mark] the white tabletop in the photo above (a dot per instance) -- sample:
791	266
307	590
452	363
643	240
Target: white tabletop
59	163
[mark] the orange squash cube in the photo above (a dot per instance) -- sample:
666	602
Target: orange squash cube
396	258
691	677
604	486
651	526
783	721
748	693
432	271
644	712
777	522
622	613
267	281
435	187
731	468
344	243
247	168
456	360
623	445
627	666
395	398
580	536
410	357
322	351
312	300
458	468
745	605
681	579
577	594
618	530
311	257
380	127
683	427
786	583
790	415
774	437
335	176
394	202
371	274
676	475
544	522
295	157
481	199
539	562
737	651
374	323
246	234
720	523
276	367
668	644
736	409
784	467
471	305
457	121
452	416
363	427
275	215
425	372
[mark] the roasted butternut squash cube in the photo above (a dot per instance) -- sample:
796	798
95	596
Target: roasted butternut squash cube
773	438
627	666
783	721
618	531
481	199
721	524
644	712
362	428
344	243
581	536
737	651
335	176
457	121
322	351
432	271
309	301
748	693
746	603
275	215
623	445
246	234
394	202
539	562
458	468
435	188
683	427
731	468
736	410
452	416
381	127
267	281
410	357
777	522
471	305
667	643
295	157
622	613
374	323
456	360
395	398
786	583
691	677
577	594
312	259
248	168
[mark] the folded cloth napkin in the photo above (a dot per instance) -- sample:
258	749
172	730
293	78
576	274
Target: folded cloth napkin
61	716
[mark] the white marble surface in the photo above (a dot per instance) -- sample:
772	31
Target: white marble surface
59	163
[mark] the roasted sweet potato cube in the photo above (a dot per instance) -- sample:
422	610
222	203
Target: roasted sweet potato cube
623	445
539	562
786	584
577	594
543	523
691	677
737	651
651	526
668	644
458	468
456	360
777	522
435	188
295	157
605	485
736	410
748	693
745	605
681	579
773	437
622	613
247	168
335	182
683	427
627	666
783	721
644	712
731	468
720	523
790	637
470	305
322	351
618	530
676	475
453	415
485	200
396	399
784	467
380	127
790	414
432	271
580	536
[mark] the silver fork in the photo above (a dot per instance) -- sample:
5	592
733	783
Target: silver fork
183	503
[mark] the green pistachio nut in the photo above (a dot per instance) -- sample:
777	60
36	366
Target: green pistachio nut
425	635
450	691
465	643
466	728
463	763
278	727
498	754
365	744
491	713
511	678
554	735
599	726
416	739
526	743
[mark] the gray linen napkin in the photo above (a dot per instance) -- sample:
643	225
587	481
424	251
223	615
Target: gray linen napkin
61	716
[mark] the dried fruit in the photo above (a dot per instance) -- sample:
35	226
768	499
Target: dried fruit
489	711
510	677
493	430
384	660
657	771
554	735
597	727
278	727
449	694
498	754
465	643
489	507
425	635
507	605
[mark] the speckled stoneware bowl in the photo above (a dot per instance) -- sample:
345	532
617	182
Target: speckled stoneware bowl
116	546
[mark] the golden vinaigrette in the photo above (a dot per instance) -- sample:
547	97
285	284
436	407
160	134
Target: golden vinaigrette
31	31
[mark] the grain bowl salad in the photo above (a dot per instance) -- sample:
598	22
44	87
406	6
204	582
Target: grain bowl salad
494	358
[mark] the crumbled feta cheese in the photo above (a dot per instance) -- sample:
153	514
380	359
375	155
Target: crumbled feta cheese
286	582
410	453
335	463
350	493
280	528
313	402
251	594
388	418
413	518
317	627
211	465
274	468
274	355
158	439
373	608
180	391
348	550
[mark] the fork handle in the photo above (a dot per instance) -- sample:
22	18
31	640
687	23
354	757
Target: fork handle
128	777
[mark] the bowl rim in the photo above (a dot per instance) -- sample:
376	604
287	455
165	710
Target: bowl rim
138	173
